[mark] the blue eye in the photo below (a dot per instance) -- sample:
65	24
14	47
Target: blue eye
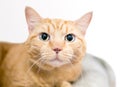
44	36
70	37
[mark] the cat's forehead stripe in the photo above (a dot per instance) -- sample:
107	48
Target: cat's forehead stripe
57	23
58	26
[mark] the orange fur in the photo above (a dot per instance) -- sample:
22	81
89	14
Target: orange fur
34	64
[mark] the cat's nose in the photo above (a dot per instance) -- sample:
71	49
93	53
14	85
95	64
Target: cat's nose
57	50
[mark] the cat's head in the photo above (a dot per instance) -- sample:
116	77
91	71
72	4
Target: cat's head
56	42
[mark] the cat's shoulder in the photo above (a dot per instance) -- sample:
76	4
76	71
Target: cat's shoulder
6	47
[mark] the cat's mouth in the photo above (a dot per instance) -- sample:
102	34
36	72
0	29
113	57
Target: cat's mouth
56	59
56	62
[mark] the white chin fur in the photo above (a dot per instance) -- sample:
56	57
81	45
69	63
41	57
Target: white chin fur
56	63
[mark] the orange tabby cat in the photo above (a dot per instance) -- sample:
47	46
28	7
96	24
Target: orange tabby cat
51	56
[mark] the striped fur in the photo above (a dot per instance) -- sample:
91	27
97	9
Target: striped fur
54	62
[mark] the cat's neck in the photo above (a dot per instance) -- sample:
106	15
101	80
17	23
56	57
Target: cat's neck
48	74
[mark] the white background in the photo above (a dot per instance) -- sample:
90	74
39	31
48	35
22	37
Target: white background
103	33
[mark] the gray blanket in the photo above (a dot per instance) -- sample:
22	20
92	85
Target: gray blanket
96	73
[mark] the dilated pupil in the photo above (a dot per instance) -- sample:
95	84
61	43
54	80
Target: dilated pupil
69	37
44	36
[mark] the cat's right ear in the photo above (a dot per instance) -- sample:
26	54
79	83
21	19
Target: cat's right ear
32	18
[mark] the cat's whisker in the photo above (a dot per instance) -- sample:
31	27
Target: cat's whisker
38	70
74	58
42	61
71	57
34	63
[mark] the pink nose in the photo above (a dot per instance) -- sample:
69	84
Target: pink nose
57	50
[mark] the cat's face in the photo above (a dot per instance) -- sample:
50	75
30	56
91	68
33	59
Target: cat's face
55	42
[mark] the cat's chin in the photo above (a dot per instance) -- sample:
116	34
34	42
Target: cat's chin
56	63
49	65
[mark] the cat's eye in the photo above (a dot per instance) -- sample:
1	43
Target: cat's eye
44	36
70	37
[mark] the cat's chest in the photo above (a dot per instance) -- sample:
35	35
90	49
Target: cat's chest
61	74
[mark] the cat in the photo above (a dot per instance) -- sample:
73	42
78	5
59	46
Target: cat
52	56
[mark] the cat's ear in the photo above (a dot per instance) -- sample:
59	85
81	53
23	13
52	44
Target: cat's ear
84	21
32	18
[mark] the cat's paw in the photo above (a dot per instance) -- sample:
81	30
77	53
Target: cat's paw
65	84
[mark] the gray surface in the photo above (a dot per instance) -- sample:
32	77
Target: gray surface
96	73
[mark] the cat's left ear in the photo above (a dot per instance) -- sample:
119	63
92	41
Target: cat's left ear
32	18
84	22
